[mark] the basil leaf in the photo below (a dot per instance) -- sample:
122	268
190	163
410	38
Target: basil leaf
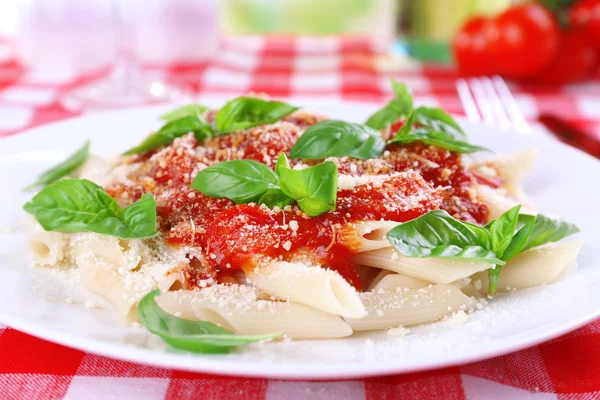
332	138
243	181
246	181
439	120
397	108
137	221
440	139
522	231
531	231
493	277
195	336
546	230
315	188
172	130
276	197
516	245
406	127
437	234
282	162
185	111
68	205
78	205
245	112
503	236
503	229
67	166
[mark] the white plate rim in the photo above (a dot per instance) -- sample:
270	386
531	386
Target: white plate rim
203	365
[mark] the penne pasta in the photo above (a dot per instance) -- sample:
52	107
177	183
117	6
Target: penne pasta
123	271
413	307
95	169
368	235
317	287
537	266
106	282
240	309
368	275
107	249
498	203
48	248
390	282
435	270
512	168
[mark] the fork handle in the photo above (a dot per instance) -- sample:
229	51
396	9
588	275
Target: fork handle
571	134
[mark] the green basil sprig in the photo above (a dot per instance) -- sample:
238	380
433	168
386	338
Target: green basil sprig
437	234
63	169
428	135
429	125
529	231
314	188
434	126
248	181
243	181
402	106
439	120
173	129
276	198
332	138
245	112
195	336
546	229
184	111
438	139
78	205
399	107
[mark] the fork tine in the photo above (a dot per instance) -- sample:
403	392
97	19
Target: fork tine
495	103
464	93
482	102
510	104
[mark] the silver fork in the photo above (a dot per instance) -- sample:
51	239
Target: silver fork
490	100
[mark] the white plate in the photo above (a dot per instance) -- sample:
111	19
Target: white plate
565	182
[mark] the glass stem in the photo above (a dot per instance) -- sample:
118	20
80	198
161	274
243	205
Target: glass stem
125	66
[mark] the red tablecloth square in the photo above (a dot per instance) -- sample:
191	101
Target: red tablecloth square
24	354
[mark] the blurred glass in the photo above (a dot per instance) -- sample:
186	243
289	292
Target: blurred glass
63	36
310	17
127	84
431	24
175	31
70	38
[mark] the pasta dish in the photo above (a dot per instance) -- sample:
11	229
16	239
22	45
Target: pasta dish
260	219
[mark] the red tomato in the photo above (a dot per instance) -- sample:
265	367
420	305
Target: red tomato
523	39
586	14
575	60
470	48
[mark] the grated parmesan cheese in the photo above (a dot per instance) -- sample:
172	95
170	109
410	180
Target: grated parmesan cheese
399	331
458	318
90	304
349	182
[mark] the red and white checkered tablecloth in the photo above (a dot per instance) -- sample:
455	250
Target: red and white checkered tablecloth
30	368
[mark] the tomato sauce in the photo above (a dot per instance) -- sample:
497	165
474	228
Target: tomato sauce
234	236
414	179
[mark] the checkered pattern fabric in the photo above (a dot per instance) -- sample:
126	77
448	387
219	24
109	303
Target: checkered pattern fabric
30	368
